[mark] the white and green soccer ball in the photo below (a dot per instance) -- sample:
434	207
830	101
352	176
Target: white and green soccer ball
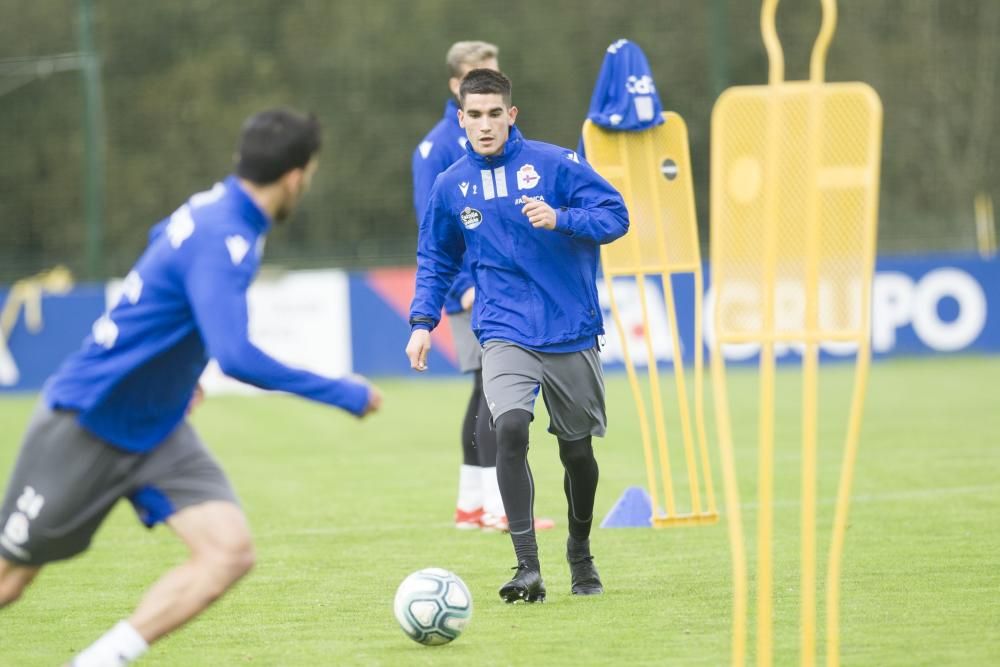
433	606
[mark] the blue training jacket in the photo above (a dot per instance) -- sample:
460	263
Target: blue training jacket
183	302
625	97
534	287
442	146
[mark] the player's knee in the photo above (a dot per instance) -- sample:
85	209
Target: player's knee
577	452
240	557
9	595
11	588
230	558
512	430
222	569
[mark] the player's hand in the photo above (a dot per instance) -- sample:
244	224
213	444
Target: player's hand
374	395
197	398
468	298
540	214
374	399
417	349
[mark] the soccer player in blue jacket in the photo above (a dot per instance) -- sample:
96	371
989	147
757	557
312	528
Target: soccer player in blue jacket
479	504
530	217
111	423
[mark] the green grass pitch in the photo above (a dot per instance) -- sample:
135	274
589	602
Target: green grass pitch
343	510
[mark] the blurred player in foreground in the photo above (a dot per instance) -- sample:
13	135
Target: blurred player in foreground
111	423
531	228
479	502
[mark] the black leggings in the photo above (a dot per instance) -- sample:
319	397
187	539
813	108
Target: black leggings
579	483
479	440
517	486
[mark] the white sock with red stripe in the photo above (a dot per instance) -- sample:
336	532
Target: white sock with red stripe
470	488
492	502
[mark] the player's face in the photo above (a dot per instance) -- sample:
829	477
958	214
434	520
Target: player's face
487	122
297	183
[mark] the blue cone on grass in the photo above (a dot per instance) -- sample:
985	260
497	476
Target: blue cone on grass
633	509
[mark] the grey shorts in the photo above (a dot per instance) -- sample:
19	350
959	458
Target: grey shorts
467	347
66	481
572	386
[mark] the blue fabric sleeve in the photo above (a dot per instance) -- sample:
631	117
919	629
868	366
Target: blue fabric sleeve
425	170
440	249
217	292
595	210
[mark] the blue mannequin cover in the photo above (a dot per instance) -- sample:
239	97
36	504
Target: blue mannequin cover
625	96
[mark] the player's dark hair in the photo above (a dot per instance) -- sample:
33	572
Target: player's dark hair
485	82
275	141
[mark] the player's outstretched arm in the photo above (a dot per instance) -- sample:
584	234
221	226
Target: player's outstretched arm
217	289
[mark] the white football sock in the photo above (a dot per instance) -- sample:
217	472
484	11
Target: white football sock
119	646
492	502
470	488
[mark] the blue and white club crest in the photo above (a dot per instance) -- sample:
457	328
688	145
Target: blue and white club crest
471	218
527	177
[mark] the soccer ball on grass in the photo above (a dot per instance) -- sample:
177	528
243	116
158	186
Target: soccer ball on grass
433	606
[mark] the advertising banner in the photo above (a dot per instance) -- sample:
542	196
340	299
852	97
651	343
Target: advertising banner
927	304
334	322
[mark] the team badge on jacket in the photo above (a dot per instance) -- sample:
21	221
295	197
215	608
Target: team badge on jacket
471	218
527	177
